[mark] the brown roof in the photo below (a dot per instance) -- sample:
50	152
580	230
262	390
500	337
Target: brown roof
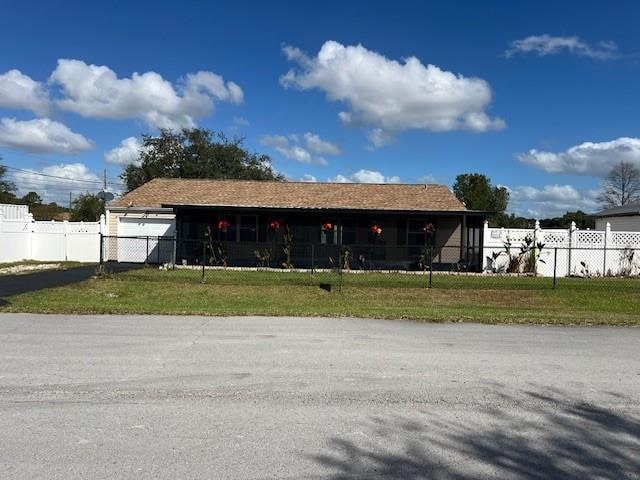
243	193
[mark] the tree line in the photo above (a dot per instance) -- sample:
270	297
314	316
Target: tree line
201	153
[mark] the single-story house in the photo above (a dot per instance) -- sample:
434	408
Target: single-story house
389	224
622	219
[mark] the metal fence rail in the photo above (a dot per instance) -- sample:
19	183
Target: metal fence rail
410	266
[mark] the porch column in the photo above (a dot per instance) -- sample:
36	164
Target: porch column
463	238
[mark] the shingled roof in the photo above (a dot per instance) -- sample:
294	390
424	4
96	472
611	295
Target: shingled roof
162	192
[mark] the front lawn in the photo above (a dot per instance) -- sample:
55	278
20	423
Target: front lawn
487	299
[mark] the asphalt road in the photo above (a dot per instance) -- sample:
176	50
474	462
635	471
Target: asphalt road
245	398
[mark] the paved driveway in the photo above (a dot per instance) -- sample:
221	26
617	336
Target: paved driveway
190	397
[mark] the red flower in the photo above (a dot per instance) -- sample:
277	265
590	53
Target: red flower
429	228
223	224
327	226
376	229
274	225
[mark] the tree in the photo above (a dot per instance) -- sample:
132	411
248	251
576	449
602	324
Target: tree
87	208
196	153
621	186
7	188
477	193
32	199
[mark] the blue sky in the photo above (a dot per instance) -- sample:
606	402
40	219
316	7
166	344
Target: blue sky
541	97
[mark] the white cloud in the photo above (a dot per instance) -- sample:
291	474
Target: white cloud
19	91
365	176
320	147
543	45
392	96
76	178
96	92
127	152
378	138
588	158
429	178
41	136
308	178
551	200
309	150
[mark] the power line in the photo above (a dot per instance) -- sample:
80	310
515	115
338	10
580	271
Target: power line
66	179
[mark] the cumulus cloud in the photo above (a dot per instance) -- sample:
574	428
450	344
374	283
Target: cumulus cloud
308	178
19	91
390	96
41	136
551	200
127	152
588	158
95	91
543	45
53	183
365	176
310	149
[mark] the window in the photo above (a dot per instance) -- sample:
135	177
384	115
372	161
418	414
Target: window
415	232
329	233
348	232
248	228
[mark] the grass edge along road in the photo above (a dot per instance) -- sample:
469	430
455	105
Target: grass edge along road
485	299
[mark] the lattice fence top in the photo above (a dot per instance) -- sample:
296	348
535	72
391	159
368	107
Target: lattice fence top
625	239
587	238
48	227
83	227
555	237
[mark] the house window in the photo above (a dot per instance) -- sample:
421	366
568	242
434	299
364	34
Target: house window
348	232
329	233
416	234
248	228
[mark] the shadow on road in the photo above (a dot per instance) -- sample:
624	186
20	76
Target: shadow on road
31	282
552	438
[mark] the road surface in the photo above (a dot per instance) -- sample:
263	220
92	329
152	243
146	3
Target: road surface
145	397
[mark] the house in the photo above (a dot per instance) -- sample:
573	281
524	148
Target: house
624	218
388	224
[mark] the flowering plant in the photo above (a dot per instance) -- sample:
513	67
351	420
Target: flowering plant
223	224
376	229
207	232
428	228
327	226
274	225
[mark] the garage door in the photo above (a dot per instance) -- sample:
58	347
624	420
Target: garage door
139	242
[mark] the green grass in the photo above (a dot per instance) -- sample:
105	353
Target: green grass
488	299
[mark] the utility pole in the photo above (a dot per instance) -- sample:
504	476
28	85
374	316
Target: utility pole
69	201
104	188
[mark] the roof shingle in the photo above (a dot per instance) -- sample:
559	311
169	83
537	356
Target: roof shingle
244	193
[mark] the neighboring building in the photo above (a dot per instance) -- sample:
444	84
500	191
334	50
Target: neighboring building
625	218
243	213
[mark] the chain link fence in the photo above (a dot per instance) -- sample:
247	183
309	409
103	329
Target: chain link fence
376	265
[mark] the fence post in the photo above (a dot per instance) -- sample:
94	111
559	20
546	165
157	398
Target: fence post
101	248
313	258
158	248
146	258
204	254
555	264
430	266
572	230
607	233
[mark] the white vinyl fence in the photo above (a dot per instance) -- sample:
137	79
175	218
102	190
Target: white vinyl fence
568	251
26	239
